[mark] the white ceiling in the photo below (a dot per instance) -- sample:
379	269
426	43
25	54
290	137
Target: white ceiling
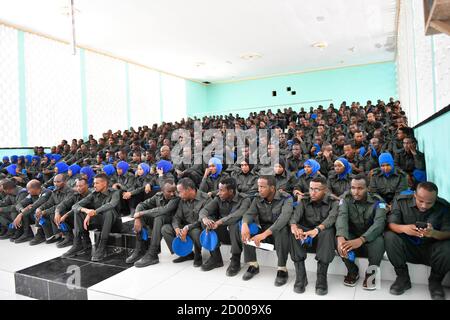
175	35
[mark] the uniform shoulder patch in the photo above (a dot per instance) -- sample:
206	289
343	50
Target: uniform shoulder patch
382	205
404	196
341	202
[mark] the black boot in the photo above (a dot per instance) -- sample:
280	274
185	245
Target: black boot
16	235
250	273
8	234
68	240
38	238
301	280
235	265
86	242
402	283
321	283
435	286
147	260
198	260
281	278
138	252
27	235
100	251
77	247
215	261
190	256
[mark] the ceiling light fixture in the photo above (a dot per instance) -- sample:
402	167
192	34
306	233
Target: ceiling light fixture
321	45
320	18
250	56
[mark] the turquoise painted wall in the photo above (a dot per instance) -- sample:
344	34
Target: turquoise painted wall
196	97
433	138
359	83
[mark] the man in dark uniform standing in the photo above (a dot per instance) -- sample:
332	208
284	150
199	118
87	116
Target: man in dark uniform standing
314	217
419	232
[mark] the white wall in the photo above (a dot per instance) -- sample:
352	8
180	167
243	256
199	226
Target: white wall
9	91
49	106
423	65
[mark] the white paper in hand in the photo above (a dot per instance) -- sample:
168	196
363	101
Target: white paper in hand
262	245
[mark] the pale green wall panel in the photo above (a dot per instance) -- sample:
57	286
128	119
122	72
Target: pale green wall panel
433	138
359	83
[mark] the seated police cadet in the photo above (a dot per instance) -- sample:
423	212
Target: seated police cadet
388	181
359	229
8	212
271	209
47	210
222	215
153	213
245	178
64	214
314	217
186	220
419	232
339	179
212	176
97	211
37	195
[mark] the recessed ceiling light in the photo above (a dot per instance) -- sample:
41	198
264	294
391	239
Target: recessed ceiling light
320	45
320	18
250	56
65	11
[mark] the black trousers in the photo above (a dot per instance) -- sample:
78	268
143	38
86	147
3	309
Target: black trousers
107	221
431	253
70	222
324	245
280	239
169	235
6	218
373	250
228	234
155	225
28	219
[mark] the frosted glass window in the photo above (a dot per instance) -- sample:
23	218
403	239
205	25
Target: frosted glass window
106	94
144	96
9	88
52	91
174	98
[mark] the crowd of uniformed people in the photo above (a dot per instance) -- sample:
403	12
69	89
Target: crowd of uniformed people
347	182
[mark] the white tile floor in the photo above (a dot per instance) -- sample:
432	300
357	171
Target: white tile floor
167	280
